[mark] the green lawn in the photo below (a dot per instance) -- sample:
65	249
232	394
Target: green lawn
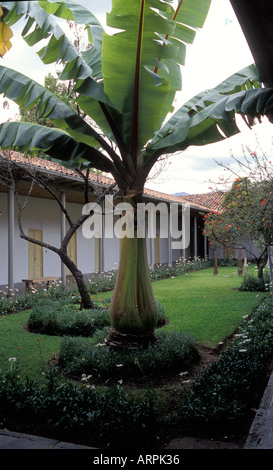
206	306
30	350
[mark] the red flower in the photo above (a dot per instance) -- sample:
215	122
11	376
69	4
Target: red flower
263	202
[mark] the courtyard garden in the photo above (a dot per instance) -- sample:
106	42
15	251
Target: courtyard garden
205	375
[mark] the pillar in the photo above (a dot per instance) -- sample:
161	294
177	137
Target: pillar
63	232
11	240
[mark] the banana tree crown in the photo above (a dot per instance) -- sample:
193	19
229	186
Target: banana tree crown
125	84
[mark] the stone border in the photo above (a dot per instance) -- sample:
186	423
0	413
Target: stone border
261	431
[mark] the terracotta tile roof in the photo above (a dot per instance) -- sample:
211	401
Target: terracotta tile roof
199	201
211	200
54	167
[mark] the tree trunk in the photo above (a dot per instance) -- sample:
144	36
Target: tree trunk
262	264
133	313
78	276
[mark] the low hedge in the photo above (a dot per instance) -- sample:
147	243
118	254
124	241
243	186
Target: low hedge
225	393
106	417
172	353
64	318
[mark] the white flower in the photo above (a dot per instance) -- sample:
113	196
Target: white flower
12	359
85	377
183	373
119	365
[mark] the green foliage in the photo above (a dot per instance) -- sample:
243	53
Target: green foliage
53	318
246	213
252	283
116	81
180	267
102	283
16	303
219	399
173	352
64	317
108	417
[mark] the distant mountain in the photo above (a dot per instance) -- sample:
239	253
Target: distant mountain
180	194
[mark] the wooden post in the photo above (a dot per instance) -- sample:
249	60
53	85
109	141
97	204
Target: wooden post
240	263
245	266
215	272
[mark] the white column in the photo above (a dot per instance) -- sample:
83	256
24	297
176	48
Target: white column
184	253
63	232
102	239
11	240
170	254
195	237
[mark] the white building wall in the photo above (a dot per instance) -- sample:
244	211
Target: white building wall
45	214
41	214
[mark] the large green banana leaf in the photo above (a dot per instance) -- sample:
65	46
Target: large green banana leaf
40	24
73	11
26	92
34	138
140	63
207	116
126	84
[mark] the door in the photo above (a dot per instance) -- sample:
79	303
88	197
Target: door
157	249
72	251
97	255
35	255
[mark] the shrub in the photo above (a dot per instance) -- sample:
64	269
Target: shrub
63	318
253	283
179	268
172	353
107	417
226	391
15	303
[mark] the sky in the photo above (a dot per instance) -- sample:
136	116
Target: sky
219	50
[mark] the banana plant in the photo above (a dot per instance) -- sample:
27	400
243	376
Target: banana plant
126	84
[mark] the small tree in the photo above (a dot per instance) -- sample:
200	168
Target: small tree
247	208
13	172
